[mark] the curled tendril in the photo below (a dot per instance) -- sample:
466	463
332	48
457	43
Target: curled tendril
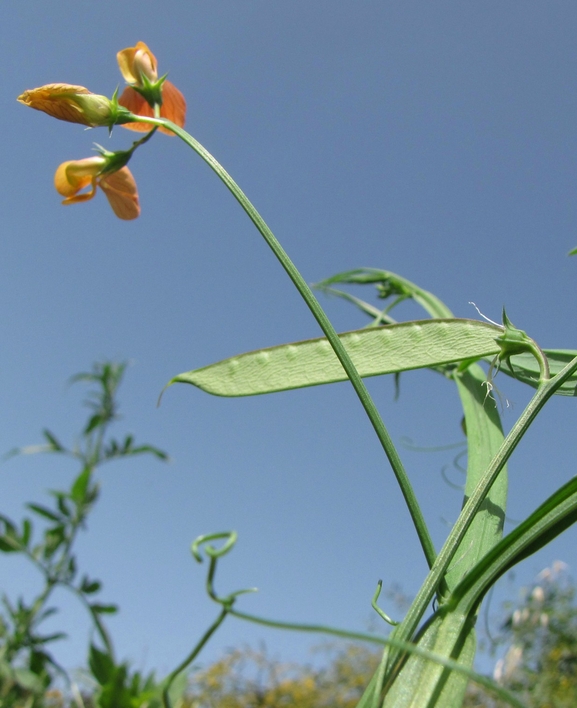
457	461
448	482
211	551
377	609
226	603
227	607
214	554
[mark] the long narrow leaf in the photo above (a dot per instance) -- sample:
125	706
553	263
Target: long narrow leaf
553	517
424	683
484	438
390	284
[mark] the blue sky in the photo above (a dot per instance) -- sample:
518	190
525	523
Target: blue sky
436	140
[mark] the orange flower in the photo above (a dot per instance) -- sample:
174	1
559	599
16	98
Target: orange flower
119	186
74	104
138	66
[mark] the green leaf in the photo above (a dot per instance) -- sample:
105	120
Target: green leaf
104	609
95	421
52	637
422	682
10	540
62	505
26	532
484	438
8	544
43	511
379	316
375	351
101	665
450	691
127	448
549	520
48	612
71	570
53	539
90	586
390	284
80	486
28	680
141	449
55	445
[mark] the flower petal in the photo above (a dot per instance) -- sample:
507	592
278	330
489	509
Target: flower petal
125	63
62	183
135	103
121	192
173	104
173	107
54	99
71	103
145	60
84	197
74	175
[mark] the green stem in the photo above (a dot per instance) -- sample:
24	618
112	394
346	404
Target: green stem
317	628
100	628
193	654
409	625
52	581
327	328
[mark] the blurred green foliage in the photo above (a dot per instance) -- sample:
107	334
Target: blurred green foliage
46	539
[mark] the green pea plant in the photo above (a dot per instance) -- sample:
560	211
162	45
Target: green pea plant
427	661
429	664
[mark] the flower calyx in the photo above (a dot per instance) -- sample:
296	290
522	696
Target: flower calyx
515	341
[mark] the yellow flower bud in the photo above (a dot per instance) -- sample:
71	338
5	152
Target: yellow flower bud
74	104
